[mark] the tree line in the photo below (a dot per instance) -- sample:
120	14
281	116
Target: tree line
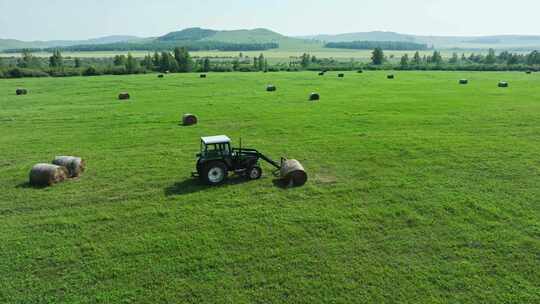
370	45
492	59
180	61
159	46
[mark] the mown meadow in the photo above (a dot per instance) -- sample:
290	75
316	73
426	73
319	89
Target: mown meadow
421	190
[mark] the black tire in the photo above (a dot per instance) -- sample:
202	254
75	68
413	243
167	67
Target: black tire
254	173
214	173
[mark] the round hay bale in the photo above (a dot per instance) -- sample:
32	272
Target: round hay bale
202	76
391	76
293	173
503	84
123	96
189	120
341	75
463	81
43	175
21	91
74	165
160	76
271	88
314	96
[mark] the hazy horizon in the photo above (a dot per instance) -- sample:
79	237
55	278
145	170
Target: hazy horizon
78	20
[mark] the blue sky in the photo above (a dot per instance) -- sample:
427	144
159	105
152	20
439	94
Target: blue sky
81	19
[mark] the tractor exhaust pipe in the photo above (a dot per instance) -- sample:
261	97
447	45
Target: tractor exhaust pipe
293	173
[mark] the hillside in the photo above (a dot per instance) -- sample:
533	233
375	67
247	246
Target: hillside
201	36
253	36
18	44
439	42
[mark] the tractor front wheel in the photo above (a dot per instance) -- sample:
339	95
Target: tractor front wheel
214	173
255	173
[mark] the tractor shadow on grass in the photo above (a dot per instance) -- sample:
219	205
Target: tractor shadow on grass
193	185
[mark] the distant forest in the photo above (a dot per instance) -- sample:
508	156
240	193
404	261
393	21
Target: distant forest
370	45
161	46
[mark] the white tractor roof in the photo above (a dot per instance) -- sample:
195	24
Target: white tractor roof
220	139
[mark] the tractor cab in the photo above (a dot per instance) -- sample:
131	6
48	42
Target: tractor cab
213	147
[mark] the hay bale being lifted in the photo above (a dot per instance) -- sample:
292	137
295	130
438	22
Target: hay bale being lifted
123	96
341	75
21	91
391	76
74	165
189	120
43	175
314	96
293	173
202	76
463	81
503	84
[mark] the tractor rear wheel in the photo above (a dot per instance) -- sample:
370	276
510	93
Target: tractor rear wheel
214	173
254	173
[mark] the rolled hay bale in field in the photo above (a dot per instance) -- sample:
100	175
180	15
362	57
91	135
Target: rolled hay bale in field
293	173
123	96
271	88
74	165
160	76
391	76
21	91
503	84
314	96
189	120
202	76
463	81
43	175
341	75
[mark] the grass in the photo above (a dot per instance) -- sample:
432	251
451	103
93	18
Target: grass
421	190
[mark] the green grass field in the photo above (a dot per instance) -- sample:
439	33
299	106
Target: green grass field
420	191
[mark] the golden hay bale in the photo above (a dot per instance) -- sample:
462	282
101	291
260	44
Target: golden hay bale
123	96
189	120
43	175
74	165
271	88
503	84
293	173
314	96
21	91
463	81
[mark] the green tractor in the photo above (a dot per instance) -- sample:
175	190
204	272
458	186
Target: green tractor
217	159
